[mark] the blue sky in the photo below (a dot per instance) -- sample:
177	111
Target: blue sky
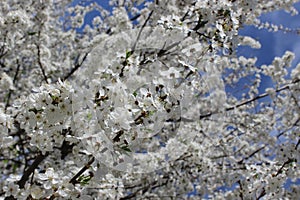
273	43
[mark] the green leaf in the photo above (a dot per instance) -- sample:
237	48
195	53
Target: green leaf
152	112
128	54
84	180
89	116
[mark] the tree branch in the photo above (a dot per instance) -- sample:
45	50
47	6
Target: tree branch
83	169
135	17
140	32
297	144
251	155
76	67
287	86
263	193
39	61
294	124
31	169
241	189
283	165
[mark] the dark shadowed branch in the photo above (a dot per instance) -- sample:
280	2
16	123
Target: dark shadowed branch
31	169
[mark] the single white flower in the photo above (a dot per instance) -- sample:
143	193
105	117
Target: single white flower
11	189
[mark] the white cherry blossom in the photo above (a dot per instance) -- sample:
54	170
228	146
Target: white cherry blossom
134	104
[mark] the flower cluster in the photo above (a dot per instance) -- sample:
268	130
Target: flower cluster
135	103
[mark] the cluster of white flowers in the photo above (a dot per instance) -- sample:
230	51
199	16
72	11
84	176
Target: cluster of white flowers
139	108
5	125
277	70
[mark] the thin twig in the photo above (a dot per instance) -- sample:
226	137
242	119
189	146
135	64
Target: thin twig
281	133
39	59
287	86
263	193
283	165
297	144
251	155
83	169
140	32
76	67
135	17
